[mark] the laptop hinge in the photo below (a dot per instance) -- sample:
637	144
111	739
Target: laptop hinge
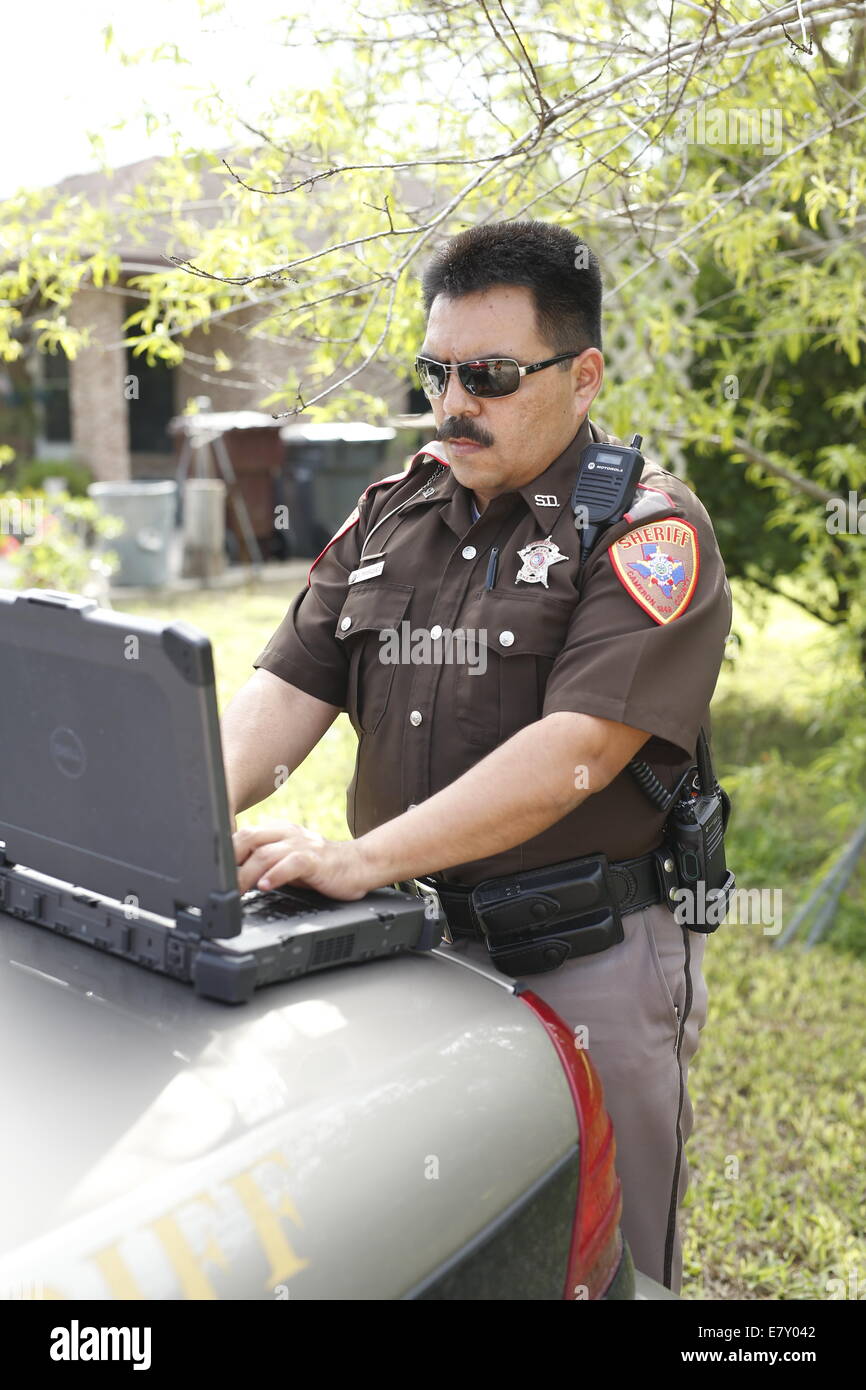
220	917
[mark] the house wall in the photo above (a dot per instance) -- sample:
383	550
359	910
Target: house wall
99	409
259	366
98	397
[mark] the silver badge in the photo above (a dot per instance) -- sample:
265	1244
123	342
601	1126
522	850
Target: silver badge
536	559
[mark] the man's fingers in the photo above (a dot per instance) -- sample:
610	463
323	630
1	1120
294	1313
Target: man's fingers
252	837
298	863
260	861
263	862
268	855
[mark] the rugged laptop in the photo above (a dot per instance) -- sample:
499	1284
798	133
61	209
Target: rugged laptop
114	819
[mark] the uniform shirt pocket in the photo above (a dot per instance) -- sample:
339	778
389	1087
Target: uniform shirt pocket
369	614
518	639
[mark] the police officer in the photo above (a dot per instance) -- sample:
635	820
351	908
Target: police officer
499	689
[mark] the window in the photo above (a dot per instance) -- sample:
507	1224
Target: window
54	397
150	404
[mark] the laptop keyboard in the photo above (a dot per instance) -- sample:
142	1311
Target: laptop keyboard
279	903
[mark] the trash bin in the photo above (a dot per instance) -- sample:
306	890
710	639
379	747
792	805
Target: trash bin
148	510
204	528
327	468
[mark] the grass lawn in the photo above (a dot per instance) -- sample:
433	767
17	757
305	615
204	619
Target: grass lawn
775	1204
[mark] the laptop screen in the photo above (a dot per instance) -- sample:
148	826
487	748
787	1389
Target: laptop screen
89	737
111	774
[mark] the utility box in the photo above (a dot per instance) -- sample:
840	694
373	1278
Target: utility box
325	469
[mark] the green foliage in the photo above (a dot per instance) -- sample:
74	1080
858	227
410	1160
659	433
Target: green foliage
30	475
762	527
774	1207
57	553
333	261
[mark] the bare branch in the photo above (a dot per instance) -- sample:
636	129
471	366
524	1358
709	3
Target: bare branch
762	460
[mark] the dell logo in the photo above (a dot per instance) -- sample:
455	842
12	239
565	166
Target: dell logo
67	752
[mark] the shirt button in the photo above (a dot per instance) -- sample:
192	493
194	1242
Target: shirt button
469	552
415	717
506	638
435	631
347	622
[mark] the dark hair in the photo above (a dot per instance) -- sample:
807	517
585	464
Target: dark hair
539	255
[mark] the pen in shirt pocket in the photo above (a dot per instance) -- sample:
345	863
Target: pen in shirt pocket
492	565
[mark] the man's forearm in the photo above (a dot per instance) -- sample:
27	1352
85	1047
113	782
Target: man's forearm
516	792
267	731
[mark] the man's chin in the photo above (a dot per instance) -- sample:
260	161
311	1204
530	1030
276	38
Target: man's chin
467	476
464	456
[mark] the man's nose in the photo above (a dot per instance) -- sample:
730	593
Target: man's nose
456	400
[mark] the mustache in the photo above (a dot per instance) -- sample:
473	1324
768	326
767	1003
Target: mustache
452	428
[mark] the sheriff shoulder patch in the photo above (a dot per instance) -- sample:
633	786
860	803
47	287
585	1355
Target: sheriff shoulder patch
658	565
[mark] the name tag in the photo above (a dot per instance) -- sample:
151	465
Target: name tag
366	572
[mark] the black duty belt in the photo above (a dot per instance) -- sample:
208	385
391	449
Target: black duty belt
536	919
637	883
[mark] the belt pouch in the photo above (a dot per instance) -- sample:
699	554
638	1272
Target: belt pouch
536	920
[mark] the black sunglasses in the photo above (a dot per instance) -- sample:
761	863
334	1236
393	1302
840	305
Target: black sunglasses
489	377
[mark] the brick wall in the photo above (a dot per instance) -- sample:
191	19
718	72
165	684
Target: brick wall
100	428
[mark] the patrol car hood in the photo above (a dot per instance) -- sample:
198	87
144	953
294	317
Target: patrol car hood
160	1145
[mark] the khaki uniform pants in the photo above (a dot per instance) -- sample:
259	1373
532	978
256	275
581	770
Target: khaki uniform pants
641	1006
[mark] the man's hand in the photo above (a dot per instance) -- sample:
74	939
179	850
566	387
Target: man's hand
271	855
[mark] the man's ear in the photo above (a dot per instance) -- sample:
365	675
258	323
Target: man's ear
587	374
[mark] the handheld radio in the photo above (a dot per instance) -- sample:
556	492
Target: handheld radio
604	487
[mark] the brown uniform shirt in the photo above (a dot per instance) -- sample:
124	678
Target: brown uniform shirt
422	724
